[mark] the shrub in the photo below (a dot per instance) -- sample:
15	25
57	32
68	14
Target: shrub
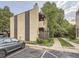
39	41
46	42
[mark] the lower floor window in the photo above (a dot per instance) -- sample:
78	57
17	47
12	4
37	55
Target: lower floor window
41	29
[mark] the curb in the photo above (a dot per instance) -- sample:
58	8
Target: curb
38	46
50	48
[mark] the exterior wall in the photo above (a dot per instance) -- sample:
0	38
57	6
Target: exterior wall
15	26
27	24
77	24
77	20
12	27
34	24
21	26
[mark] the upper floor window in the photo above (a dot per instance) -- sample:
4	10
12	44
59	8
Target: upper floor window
41	17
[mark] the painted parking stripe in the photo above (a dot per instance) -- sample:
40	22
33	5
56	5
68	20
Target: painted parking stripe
52	54
49	53
43	54
16	53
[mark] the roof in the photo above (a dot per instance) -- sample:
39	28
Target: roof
22	12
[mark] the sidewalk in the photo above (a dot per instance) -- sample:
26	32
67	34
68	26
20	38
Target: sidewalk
50	48
74	44
57	45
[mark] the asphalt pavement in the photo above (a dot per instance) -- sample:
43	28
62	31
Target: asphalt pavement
38	53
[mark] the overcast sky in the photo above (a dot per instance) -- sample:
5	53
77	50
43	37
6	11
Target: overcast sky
17	7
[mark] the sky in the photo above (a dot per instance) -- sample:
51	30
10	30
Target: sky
16	7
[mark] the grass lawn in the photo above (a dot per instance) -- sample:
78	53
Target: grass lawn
64	43
45	42
76	41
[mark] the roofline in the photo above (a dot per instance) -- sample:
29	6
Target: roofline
22	12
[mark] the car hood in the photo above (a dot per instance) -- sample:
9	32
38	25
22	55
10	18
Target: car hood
1	46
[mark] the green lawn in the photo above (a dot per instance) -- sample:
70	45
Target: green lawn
64	43
46	42
76	41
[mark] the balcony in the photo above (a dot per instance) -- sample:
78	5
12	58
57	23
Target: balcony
42	24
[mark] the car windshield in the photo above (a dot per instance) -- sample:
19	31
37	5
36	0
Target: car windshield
7	40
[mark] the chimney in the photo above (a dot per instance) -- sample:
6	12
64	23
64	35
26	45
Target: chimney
36	6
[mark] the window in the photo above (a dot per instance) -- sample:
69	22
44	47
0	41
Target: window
41	29
41	17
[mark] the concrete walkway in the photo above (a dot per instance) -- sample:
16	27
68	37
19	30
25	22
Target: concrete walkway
74	44
57	45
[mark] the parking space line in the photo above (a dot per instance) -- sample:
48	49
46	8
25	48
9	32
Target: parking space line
16	53
43	54
49	53
52	54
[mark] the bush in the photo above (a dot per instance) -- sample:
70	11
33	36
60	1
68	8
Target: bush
46	42
39	41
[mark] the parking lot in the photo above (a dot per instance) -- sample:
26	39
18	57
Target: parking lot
38	53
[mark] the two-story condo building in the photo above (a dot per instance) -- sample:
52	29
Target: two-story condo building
29	25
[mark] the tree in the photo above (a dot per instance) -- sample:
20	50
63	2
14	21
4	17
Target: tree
57	25
55	17
5	15
71	31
